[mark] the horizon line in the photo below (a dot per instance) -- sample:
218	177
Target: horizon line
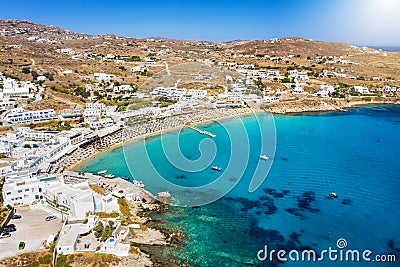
206	40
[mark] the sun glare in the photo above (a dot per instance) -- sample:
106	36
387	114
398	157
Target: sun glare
382	7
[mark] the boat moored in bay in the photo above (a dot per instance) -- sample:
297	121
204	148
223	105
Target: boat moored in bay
333	195
216	168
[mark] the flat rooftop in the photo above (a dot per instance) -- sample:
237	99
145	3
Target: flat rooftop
69	234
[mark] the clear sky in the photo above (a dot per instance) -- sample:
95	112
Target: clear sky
361	22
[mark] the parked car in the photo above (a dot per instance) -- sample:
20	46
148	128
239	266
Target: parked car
5	235
16	216
10	228
21	245
50	218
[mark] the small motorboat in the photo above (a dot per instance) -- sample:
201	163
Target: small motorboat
126	178
102	172
216	168
264	157
333	195
109	176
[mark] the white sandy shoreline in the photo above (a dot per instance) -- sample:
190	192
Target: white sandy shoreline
218	117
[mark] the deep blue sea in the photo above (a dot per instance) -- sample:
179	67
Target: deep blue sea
355	154
387	48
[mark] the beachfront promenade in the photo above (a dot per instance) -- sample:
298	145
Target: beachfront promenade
140	130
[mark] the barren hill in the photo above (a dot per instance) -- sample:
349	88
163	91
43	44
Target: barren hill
72	58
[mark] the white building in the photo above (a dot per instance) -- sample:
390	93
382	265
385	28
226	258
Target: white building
94	109
236	87
298	89
252	98
326	90
303	77
139	69
271	99
66	72
7	104
293	73
169	92
122	88
103	77
66	51
149	61
18	115
68	238
12	139
100	123
42	78
198	94
12	89
88	113
249	82
233	97
70	234
29	134
259	74
389	89
75	199
113	246
361	90
23	188
273	73
188	98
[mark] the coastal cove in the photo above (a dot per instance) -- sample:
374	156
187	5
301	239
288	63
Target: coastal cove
352	153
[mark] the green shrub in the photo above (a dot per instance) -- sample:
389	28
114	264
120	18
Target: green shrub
106	233
62	261
99	227
26	70
46	259
52	246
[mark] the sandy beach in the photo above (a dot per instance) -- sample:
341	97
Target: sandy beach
143	130
155	127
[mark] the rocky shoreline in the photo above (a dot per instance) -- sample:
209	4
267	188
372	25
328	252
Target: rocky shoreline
305	105
158	252
155	239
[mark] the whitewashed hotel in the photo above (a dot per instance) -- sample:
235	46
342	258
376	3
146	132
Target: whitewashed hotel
18	115
23	188
13	89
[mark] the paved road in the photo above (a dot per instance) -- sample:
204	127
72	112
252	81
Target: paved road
32	228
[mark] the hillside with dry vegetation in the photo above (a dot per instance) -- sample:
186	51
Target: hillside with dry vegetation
69	60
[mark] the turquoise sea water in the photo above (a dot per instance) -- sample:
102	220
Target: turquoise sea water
355	154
